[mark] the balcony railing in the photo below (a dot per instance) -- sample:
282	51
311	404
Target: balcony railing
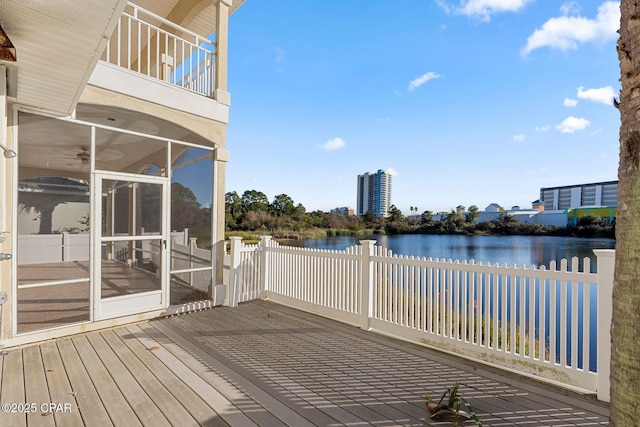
148	44
550	323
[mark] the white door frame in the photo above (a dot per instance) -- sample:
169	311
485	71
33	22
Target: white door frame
124	305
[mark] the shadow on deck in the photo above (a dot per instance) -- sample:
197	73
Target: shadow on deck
262	364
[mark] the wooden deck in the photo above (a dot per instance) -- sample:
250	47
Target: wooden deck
261	364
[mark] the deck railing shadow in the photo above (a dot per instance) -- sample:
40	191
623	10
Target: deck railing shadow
551	323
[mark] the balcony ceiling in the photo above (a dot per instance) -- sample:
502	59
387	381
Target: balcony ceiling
198	16
57	45
58	42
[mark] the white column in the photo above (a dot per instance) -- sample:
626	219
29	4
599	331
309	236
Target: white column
606	268
221	93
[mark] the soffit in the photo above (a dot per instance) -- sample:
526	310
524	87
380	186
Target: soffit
58	43
198	16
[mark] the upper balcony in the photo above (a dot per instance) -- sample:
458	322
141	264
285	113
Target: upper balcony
59	49
151	57
148	44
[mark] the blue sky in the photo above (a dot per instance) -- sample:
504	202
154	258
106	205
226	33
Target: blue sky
465	102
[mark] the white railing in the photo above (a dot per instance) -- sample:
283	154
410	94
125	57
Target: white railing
550	323
151	45
191	264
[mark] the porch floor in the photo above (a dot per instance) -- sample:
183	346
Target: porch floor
267	365
51	306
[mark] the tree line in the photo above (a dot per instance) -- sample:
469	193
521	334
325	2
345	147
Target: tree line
284	218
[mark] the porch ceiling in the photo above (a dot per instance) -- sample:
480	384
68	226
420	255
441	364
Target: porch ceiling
51	147
57	45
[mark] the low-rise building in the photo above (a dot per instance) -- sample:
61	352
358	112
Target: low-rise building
344	211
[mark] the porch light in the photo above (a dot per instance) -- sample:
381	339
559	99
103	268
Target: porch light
8	154
7	50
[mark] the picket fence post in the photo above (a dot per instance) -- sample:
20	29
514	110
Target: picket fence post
192	250
65	247
231	300
606	268
265	244
366	284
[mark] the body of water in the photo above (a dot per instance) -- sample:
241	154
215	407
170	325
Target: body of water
519	250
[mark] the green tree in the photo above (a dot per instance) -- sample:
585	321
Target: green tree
283	205
625	357
472	214
426	219
185	209
396	222
395	214
589	220
453	221
234	209
253	200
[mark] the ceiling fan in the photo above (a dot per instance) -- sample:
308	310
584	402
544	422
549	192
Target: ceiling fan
74	159
84	155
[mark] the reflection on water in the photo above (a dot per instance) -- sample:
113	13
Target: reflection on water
519	250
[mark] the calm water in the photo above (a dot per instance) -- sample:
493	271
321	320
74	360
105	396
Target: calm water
519	250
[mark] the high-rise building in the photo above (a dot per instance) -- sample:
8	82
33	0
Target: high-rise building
374	193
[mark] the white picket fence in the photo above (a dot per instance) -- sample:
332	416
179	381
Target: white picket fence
548	323
50	248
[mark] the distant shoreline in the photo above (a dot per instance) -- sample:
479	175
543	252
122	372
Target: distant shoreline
318	233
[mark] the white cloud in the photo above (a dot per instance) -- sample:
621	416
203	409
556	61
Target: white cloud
603	95
333	144
543	128
383	119
568	102
570	8
565	32
572	124
391	171
483	9
419	81
519	138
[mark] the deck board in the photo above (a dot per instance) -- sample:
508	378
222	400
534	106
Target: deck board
146	410
60	390
223	409
250	386
262	364
196	407
119	410
35	385
173	411
90	406
12	390
274	409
